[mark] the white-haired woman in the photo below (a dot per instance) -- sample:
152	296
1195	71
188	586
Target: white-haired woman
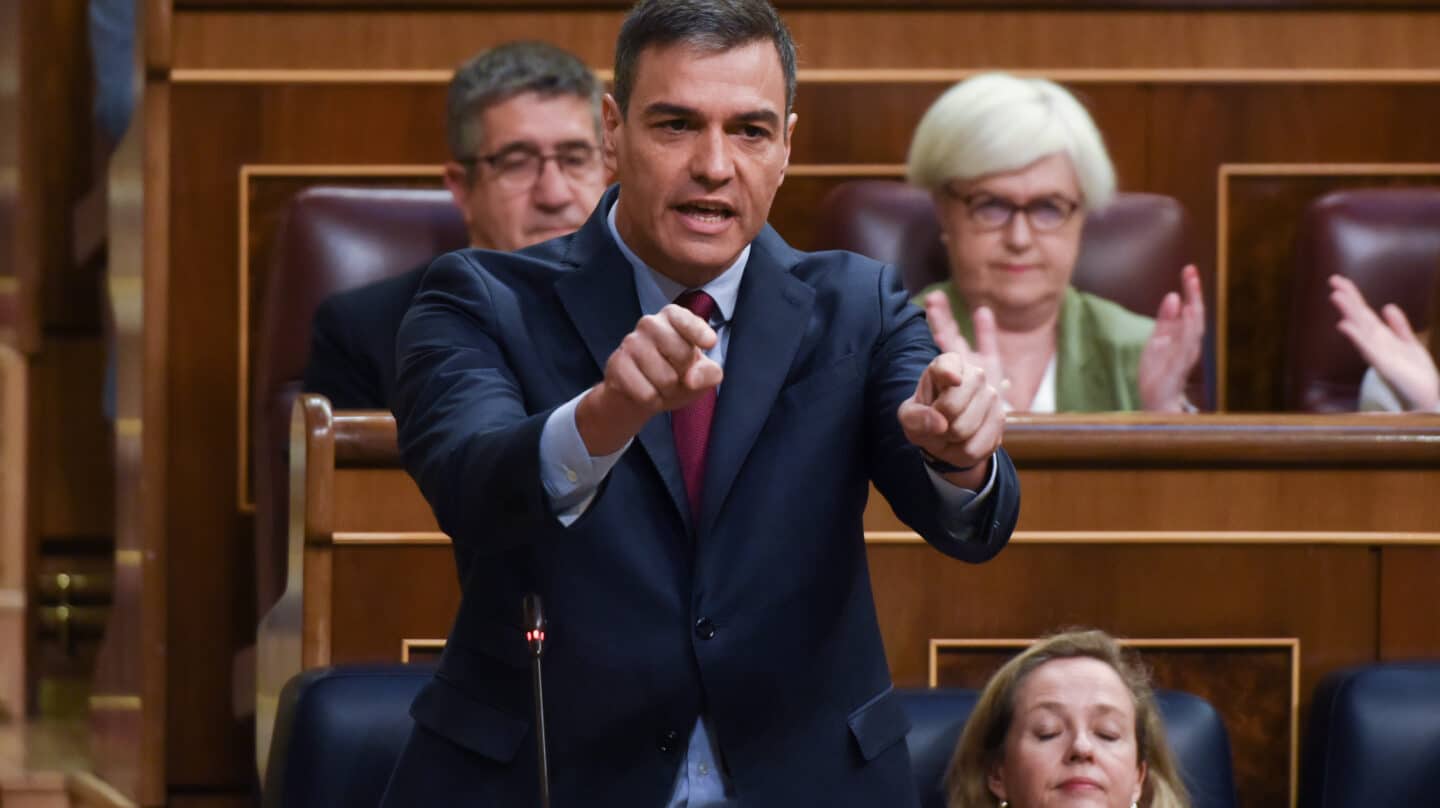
1015	165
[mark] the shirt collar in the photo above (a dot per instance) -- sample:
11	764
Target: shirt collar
655	290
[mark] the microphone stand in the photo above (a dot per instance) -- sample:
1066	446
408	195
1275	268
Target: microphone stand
535	636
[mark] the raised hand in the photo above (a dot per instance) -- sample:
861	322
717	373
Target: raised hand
1174	347
947	336
1389	344
660	366
955	415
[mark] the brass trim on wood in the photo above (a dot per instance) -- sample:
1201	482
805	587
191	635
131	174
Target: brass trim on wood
410	644
1302	538
129	558
1181	537
86	790
363	538
115	701
1288	644
865	75
880	170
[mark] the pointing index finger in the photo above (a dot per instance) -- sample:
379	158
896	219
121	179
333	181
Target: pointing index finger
689	326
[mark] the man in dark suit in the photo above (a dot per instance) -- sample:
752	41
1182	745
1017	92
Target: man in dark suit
523	124
682	483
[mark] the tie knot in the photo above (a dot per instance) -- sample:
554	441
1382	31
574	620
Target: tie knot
698	302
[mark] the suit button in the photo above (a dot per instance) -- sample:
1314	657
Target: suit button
704	629
667	741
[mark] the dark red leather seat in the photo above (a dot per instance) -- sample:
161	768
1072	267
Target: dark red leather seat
1386	240
1131	252
331	239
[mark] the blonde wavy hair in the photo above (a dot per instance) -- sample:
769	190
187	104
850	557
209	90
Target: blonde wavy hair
982	744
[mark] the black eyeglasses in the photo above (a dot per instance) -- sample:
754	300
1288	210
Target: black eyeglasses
990	212
518	168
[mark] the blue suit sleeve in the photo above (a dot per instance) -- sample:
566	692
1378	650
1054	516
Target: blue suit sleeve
972	530
465	434
336	369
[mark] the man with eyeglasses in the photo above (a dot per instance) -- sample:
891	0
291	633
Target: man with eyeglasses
523	126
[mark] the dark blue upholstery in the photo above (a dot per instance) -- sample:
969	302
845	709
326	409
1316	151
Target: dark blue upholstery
339	731
1374	738
1195	731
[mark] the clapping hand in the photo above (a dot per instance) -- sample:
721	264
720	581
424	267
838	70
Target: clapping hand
1389	344
1174	347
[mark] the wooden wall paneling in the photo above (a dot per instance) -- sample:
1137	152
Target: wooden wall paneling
871	37
365	627
14	534
128	704
1198	128
1408	625
11	230
273	124
56	148
1252	683
74	481
1263	205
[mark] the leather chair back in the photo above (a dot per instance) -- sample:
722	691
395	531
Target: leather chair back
1373	738
338	733
331	239
340	730
1386	240
1131	252
1195	732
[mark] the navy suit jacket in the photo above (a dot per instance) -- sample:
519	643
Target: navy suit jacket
352	343
758	613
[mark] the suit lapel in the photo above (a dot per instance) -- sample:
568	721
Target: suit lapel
600	299
770	317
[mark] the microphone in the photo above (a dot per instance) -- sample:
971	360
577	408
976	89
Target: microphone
535	637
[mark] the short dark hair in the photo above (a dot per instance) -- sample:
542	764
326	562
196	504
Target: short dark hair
505	71
712	25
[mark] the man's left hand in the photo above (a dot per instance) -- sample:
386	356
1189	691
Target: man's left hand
957	416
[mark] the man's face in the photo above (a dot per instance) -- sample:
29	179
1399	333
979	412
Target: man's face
511	199
699	155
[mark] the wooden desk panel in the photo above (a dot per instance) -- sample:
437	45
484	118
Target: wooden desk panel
1204	530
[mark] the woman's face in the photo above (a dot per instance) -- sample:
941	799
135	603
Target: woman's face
1071	741
1012	237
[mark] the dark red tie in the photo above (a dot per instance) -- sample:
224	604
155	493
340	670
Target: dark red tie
691	424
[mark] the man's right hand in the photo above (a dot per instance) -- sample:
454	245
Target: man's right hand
659	367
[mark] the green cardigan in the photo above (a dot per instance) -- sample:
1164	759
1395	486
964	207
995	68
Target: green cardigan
1097	352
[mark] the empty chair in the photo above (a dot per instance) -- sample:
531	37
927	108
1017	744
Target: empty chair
338	733
1374	738
1386	240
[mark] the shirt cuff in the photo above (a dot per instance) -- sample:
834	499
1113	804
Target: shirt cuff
958	505
570	474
